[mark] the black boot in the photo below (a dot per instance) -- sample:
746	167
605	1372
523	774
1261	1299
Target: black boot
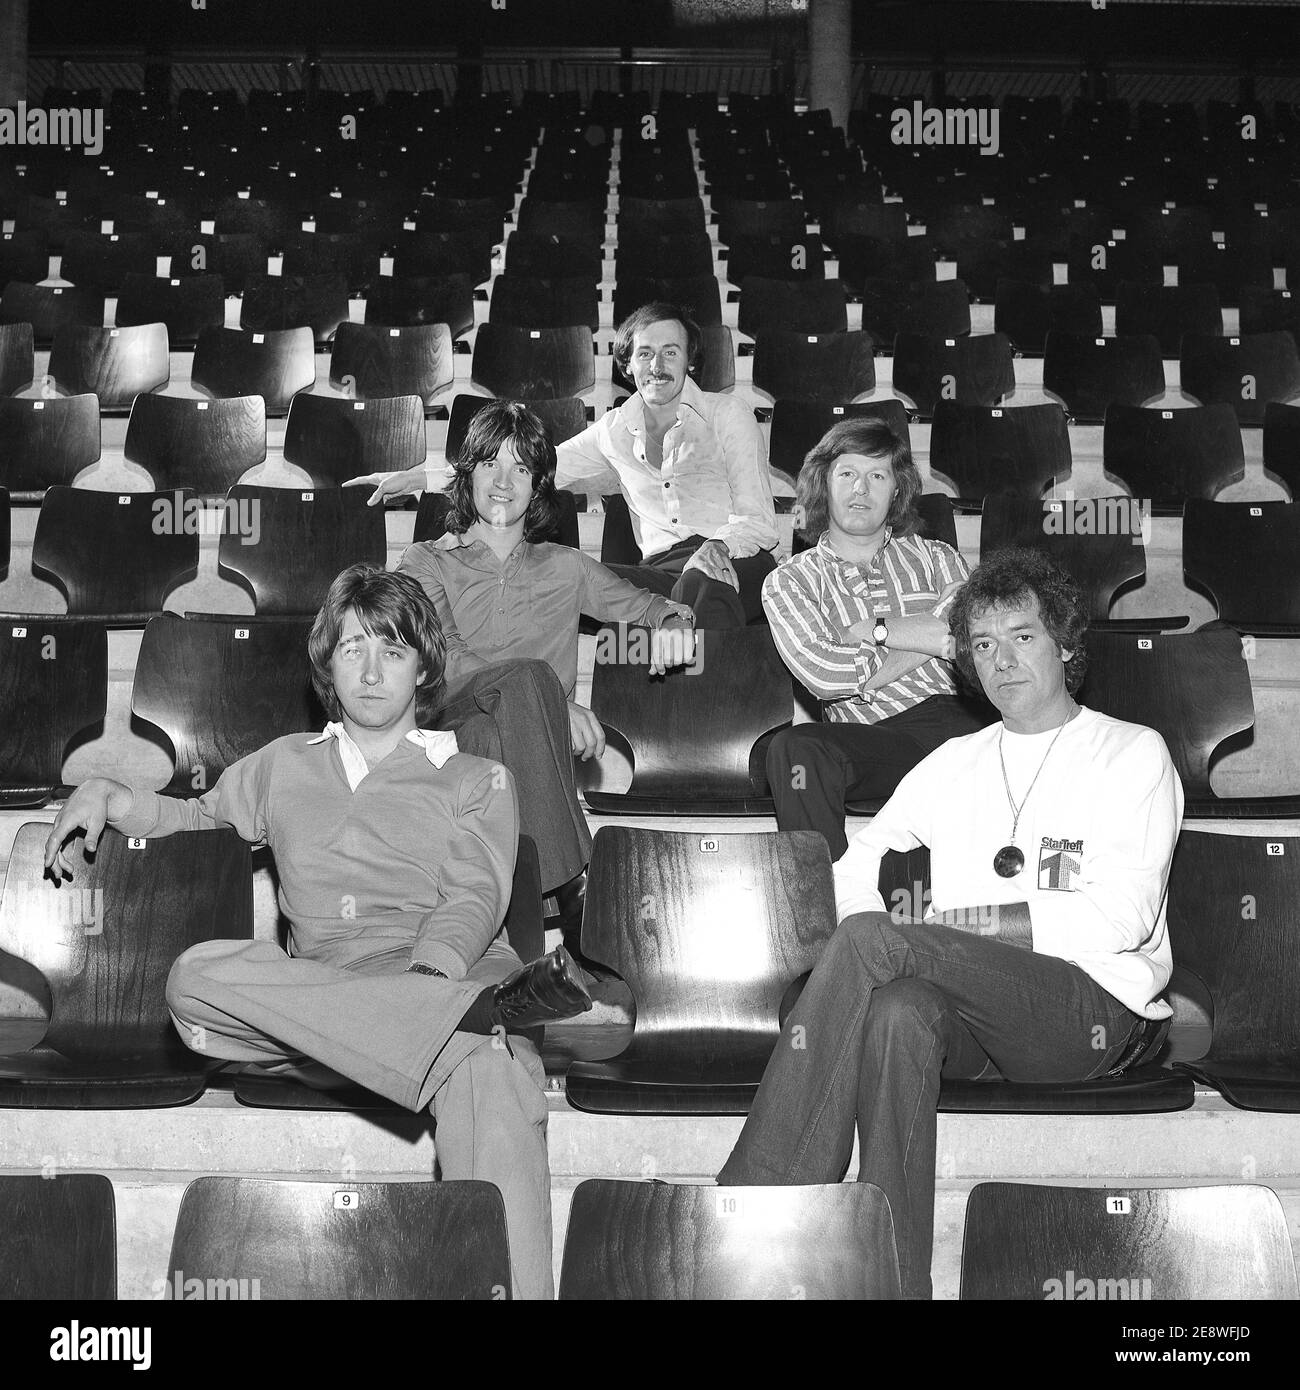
570	898
548	989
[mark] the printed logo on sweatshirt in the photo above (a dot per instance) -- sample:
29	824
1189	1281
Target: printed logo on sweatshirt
1059	862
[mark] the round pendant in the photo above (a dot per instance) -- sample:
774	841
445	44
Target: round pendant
1008	862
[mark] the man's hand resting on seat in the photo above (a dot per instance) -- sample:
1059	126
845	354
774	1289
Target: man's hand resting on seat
89	808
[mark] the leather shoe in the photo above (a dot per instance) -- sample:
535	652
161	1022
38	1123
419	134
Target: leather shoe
545	990
570	898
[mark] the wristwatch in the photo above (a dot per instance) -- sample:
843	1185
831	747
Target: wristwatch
880	633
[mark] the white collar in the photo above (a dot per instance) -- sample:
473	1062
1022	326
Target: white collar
438	745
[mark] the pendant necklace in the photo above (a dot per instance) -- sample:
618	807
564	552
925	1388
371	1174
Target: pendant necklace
1009	860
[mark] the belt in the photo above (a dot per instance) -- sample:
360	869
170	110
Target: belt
1146	1038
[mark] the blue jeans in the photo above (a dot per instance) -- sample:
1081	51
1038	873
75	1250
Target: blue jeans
891	1009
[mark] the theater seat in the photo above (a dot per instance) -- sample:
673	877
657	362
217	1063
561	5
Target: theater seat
1245	556
1167	456
116	556
1033	1242
806	306
1282	445
203	445
58	1237
1088	374
1243	372
975	370
333	439
47	308
933	307
798	425
563	418
1026	313
47	441
687	1241
262	1238
368	360
408	301
1000	451
709	932
17	357
821	367
692	734
1232	924
533	363
184	306
92	956
117	364
238	362
53	693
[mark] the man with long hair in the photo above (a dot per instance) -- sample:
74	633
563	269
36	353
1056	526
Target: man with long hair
395	854
859	619
1044	954
692	465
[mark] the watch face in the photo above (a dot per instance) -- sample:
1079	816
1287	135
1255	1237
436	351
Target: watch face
880	632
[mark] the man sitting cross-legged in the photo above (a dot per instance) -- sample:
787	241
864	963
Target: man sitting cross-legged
1045	957
395	854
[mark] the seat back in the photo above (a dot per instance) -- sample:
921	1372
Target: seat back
1282	445
798	425
369	361
1167	456
974	370
239	362
891	307
117	554
527	302
1246	557
1193	689
1167	312
679	1241
17	357
49	307
708	932
1027	312
115	363
48	441
699	296
204	445
53	688
105	941
819	367
184	306
533	363
816	306
1088	374
1098	540
59	1237
407	301
260	1238
335	439
1000	451
220	688
1244	372
1033	1242
692	731
278	302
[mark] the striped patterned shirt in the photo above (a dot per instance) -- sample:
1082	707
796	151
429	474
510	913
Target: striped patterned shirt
814	597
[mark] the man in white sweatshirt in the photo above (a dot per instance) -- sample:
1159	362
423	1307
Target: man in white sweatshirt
1044	953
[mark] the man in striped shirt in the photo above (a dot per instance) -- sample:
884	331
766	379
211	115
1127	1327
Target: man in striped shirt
861	621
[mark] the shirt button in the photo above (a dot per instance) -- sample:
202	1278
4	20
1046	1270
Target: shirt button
667	485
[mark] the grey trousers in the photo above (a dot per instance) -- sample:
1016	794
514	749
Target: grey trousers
249	1001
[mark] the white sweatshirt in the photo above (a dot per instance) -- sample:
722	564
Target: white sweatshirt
1097	833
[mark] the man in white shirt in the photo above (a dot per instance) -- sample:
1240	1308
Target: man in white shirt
691	464
1043	954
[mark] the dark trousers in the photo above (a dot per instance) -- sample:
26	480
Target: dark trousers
891	1009
714	603
515	713
814	769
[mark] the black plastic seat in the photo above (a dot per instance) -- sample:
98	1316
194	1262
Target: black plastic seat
335	439
1000	451
1088	374
219	688
526	302
822	367
686	1241
53	696
47	308
47	441
184	306
1167	456
409	301
24	256
1232	925
932	307
1266	310
116	556
446	253
709	932
369	360
1166	312
804	306
692	733
976	370
1282	445
93	956
353	253
1245	556
1032	1242
116	364
99	261
261	1238
17	357
239	362
60	1237
1026	313
1243	372
1194	690
533	363
273	303
904	260
302	540
202	445
564	418
798	425
1105	264
697	295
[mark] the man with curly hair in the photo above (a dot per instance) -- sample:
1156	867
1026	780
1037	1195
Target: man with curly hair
1044	954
